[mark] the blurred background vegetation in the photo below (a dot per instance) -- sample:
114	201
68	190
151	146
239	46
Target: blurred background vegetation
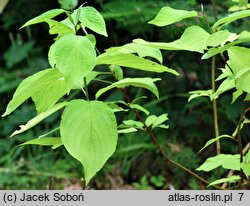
136	162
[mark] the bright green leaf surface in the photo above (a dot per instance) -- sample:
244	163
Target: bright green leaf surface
168	15
44	17
232	17
232	179
133	61
30	86
89	133
227	161
194	39
39	118
211	141
74	56
92	19
243	80
147	83
46	141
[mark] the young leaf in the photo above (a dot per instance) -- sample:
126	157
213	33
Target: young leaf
126	131
159	120
74	56
194	39
232	17
118	72
139	107
232	179
30	86
147	83
33	122
150	120
55	142
211	141
132	61
168	15
89	133
227	161
44	17
199	93
92	19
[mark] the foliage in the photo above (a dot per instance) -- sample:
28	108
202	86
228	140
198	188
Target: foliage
188	123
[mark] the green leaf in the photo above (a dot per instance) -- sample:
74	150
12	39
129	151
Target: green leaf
118	72
238	57
147	83
132	61
139	107
159	120
194	39
92	19
242	80
44	17
230	18
199	93
55	142
59	28
218	38
30	86
133	123
49	95
227	161
126	131
33	122
74	56
236	95
89	133
226	85
211	141
232	179
140	49
150	120
168	15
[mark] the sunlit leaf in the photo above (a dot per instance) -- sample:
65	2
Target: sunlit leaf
168	15
55	142
89	133
147	83
232	179
33	122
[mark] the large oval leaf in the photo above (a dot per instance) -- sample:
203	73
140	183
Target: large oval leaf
74	56
89	133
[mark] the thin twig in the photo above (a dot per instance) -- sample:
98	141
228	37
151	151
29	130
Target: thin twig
214	10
